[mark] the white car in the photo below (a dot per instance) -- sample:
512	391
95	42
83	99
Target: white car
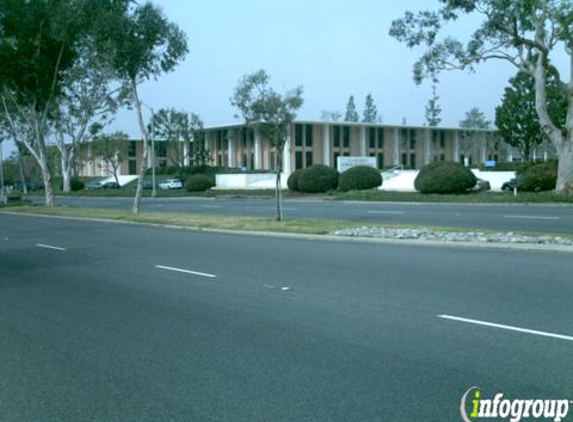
171	184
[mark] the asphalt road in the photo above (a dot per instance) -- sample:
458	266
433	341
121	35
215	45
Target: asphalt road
114	322
540	218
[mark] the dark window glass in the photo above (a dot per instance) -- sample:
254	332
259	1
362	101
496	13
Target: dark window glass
244	139
404	134
442	157
219	161
346	154
412	139
244	162
372	154
435	136
272	161
132	149
308	136
372	137
252	163
381	138
380	161
308	159
442	139
335	159
298	159
298	135
346	137
336	137
161	149
405	159
132	167
413	161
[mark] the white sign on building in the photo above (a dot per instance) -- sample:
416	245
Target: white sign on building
344	163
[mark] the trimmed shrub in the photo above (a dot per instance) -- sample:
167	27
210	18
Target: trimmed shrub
444	177
539	177
318	179
77	184
199	183
293	179
359	178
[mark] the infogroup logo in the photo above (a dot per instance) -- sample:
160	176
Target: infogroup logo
514	410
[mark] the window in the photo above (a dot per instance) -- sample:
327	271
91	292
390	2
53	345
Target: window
308	136
380	160
132	167
413	161
442	157
335	158
298	135
442	139
372	137
298	160
131	151
272	161
161	149
346	137
336	136
308	159
412	139
405	159
380	138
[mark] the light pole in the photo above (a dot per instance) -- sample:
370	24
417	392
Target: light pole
2	190
153	186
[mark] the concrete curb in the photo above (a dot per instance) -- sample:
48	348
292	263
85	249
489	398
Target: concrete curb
319	237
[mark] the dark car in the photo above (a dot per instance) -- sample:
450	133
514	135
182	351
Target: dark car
94	185
110	185
147	184
510	185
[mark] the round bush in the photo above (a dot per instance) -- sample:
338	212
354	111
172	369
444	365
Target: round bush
444	177
539	177
318	179
199	183
293	179
359	178
76	184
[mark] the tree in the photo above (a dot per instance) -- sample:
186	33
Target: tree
330	116
112	149
433	109
524	34
143	44
475	120
179	129
38	45
516	118
370	111
351	113
270	114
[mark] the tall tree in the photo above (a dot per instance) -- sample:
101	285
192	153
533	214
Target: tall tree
143	44
524	34
475	120
370	111
516	118
330	116
38	45
112	149
351	113
270	114
179	129
433	109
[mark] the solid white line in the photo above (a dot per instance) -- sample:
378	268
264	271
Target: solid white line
506	327
386	212
180	270
211	206
41	245
531	217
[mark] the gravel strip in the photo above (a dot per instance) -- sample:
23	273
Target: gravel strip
434	235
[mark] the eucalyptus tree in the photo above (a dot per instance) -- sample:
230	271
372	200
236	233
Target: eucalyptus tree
525	34
112	149
144	44
270	114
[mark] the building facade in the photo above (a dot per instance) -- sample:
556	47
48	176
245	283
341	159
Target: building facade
309	142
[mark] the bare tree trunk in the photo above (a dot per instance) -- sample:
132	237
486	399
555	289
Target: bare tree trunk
47	178
565	168
143	164
278	187
66	177
22	171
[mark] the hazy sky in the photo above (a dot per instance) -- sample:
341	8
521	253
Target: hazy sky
333	48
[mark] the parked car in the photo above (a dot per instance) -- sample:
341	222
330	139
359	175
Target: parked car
171	184
481	186
110	185
94	185
510	185
147	184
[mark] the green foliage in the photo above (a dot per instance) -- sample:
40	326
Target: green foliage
77	184
359	178
516	117
199	183
293	179
475	119
318	178
517	166
539	177
444	178
433	109
370	111
351	113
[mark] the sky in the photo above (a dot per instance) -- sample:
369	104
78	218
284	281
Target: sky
333	48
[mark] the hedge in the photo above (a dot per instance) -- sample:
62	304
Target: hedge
540	177
199	183
293	179
318	179
444	178
359	178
